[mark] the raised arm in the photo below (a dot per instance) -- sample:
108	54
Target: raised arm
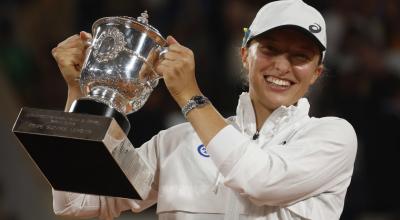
178	69
69	56
321	158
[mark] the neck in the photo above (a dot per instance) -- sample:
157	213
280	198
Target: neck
261	114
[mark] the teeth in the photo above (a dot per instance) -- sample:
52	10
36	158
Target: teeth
279	82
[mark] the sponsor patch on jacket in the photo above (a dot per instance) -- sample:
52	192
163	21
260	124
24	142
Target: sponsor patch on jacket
202	150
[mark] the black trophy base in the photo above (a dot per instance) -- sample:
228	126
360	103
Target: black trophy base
91	106
83	153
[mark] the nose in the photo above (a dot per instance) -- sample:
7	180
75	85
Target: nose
281	64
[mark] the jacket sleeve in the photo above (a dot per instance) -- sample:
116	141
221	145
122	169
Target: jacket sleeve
317	159
103	207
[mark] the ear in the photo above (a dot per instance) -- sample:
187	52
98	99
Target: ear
318	71
244	53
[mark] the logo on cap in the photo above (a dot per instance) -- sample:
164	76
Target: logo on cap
314	28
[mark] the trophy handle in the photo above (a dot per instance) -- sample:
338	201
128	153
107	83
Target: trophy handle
163	51
88	43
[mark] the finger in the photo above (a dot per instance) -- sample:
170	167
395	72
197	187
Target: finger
60	52
171	40
69	70
168	63
172	55
69	59
69	39
74	43
182	50
72	62
176	48
162	69
73	50
85	35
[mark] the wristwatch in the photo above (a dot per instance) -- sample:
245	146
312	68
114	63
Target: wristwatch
197	101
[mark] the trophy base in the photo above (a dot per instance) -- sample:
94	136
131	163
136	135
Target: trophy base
91	106
83	153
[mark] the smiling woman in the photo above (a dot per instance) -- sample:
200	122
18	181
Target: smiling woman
271	161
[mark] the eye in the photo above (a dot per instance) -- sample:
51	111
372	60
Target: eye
300	58
269	50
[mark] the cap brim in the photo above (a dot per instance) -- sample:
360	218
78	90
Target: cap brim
303	30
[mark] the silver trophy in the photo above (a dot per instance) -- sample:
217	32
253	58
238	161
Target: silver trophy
118	71
86	150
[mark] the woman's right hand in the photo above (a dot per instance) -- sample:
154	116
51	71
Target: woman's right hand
70	55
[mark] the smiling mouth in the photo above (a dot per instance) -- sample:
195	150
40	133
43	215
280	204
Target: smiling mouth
277	82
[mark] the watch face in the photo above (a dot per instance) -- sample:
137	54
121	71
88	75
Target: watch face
199	99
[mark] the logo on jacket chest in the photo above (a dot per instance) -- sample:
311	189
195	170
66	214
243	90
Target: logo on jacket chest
201	149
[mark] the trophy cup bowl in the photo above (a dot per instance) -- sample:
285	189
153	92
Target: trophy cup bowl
86	150
118	74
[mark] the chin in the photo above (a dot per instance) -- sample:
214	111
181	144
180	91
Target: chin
276	102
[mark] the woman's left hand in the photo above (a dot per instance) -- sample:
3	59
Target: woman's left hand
178	70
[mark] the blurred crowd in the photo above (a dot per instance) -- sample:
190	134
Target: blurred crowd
361	82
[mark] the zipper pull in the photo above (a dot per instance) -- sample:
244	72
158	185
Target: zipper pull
256	135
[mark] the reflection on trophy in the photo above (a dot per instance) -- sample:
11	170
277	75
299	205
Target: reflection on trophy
86	150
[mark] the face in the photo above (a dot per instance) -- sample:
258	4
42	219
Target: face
281	64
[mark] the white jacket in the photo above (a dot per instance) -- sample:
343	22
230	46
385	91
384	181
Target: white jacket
298	168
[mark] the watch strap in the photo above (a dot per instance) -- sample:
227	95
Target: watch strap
194	102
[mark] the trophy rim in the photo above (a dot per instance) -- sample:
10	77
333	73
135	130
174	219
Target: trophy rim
132	23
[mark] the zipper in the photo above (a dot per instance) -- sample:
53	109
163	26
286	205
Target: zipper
256	135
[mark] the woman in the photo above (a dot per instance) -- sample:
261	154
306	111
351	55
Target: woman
270	161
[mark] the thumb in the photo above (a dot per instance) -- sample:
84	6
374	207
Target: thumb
85	35
171	40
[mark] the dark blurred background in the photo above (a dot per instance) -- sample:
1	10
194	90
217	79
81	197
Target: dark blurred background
361	84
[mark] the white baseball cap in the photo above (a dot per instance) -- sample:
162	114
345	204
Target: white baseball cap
294	13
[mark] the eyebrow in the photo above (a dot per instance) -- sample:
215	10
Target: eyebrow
307	48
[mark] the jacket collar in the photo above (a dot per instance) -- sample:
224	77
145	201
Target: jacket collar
282	116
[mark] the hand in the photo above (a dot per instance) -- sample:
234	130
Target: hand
70	55
178	70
